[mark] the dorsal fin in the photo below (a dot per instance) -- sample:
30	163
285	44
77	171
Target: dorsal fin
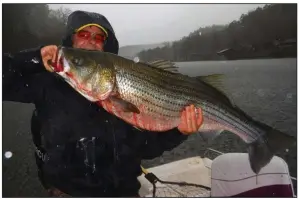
214	80
165	65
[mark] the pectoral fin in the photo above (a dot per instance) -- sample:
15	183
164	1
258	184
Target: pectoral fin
124	105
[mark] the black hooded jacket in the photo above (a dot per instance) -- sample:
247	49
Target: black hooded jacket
89	152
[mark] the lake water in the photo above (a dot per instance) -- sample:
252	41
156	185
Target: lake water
265	89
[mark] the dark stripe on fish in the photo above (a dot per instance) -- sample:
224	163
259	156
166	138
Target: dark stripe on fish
241	125
189	85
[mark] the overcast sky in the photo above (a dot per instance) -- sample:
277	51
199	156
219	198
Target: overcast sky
155	23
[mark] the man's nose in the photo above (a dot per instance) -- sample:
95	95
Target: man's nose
92	41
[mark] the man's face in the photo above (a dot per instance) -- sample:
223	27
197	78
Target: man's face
89	38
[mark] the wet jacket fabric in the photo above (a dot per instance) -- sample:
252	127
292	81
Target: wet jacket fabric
81	149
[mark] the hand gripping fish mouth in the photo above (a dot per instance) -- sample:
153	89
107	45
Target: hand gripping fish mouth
72	70
60	65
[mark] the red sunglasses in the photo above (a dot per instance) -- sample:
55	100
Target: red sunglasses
99	38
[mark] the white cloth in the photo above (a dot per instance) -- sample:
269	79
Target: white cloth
231	175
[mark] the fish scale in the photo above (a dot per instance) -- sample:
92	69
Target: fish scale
168	87
159	104
169	98
161	110
166	80
164	101
139	99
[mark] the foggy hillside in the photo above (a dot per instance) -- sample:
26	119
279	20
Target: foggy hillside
132	50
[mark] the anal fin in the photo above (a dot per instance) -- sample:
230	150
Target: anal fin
209	135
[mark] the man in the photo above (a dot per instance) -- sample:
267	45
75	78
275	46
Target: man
81	150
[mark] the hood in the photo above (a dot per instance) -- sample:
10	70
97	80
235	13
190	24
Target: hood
78	19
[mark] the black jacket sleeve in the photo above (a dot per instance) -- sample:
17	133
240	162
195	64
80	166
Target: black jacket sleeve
154	144
18	71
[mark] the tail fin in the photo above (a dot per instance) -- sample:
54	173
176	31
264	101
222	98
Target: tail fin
259	155
262	150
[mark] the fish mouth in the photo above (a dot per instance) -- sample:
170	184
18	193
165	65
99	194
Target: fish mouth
60	64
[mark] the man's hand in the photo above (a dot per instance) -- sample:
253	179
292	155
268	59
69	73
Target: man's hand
191	120
49	53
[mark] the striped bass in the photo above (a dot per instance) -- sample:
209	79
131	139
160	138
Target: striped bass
152	96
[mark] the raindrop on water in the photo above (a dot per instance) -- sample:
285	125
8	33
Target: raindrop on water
261	92
35	61
8	154
289	97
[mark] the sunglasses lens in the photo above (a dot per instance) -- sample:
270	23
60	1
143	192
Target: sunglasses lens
84	34
99	38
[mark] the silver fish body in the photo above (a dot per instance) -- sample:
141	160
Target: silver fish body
158	97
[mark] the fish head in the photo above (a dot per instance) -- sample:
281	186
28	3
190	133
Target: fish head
88	72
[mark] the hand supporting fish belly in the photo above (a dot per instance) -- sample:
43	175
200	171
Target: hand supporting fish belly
191	120
156	97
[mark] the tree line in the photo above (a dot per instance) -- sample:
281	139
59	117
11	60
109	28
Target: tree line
30	25
254	34
27	26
